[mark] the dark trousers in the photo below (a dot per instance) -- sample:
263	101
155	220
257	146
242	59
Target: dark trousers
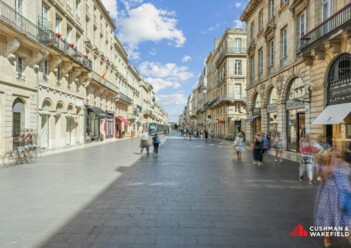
257	154
147	149
156	148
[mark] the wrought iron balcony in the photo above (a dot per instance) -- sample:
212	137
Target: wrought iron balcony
124	98
231	51
336	22
17	21
104	82
147	112
49	38
229	99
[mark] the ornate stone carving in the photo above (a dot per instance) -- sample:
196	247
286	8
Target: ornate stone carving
12	45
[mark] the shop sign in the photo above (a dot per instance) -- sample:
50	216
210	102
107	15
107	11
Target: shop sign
340	95
291	104
272	108
257	111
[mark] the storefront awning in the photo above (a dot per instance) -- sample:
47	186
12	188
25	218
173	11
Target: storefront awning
98	111
252	117
109	115
333	114
120	118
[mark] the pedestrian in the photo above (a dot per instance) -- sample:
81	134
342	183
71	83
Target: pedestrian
269	138
144	142
257	149
320	146
278	147
239	145
190	133
244	135
265	144
206	135
334	173
212	135
156	143
307	148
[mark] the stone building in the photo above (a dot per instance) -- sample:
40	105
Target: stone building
64	74
292	47
226	83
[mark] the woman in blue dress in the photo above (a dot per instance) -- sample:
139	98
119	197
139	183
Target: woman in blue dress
334	172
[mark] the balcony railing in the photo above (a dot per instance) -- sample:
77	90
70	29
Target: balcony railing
147	112
104	82
18	21
49	38
231	51
124	98
336	22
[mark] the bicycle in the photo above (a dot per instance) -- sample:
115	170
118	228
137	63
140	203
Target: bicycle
16	157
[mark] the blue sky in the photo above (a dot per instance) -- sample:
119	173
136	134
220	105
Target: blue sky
169	40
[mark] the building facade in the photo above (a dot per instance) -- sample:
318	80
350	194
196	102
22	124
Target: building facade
64	74
226	84
295	49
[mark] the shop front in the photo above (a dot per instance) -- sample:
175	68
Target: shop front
295	109
121	126
337	114
109	125
95	118
272	112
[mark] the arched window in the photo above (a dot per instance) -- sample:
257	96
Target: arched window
341	69
273	97
18	117
258	101
297	89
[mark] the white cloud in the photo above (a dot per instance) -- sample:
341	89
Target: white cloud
147	23
130	3
173	99
111	7
169	70
162	76
238	5
159	83
216	26
153	51
239	24
186	58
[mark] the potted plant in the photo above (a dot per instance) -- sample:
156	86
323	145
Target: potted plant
71	45
58	35
86	56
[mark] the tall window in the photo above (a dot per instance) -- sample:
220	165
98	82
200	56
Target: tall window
19	6
252	69
238	44
45	17
282	2
58	75
237	67
297	89
237	91
252	31
69	34
77	7
58	25
260	63
301	27
69	80
260	21
19	67
69	4
270	57
327	10
283	47
45	70
78	41
270	9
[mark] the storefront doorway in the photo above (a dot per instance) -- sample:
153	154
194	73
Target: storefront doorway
295	115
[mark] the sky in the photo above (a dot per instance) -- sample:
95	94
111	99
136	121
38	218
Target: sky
168	41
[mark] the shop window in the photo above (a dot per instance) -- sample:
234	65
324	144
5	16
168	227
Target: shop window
297	89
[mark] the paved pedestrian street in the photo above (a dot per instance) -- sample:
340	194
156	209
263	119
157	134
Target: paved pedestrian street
193	195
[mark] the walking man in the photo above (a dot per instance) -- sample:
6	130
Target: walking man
206	135
156	143
144	142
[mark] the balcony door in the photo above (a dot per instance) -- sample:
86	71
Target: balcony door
19	12
327	7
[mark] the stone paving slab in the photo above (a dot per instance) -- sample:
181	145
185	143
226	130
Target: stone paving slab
193	195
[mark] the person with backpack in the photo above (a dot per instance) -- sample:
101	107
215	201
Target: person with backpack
156	143
239	145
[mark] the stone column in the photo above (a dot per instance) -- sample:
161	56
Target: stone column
282	124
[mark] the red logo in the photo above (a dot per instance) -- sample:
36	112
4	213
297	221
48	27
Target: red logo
298	231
